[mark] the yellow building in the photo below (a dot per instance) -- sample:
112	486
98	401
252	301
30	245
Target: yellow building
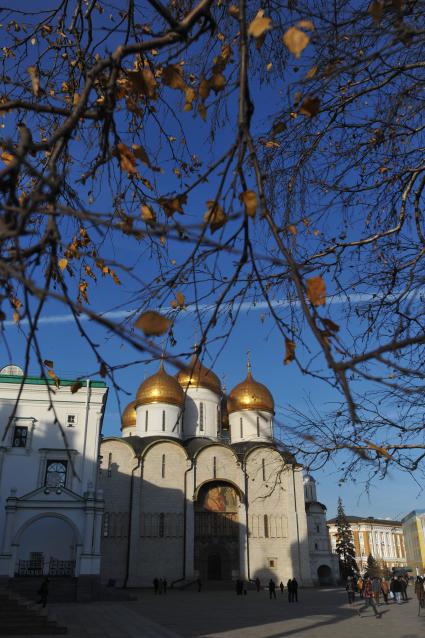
380	537
414	534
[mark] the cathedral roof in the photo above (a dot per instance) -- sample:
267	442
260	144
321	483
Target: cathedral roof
160	388
250	395
129	416
310	503
196	375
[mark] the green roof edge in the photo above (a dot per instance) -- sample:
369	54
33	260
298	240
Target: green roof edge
14	378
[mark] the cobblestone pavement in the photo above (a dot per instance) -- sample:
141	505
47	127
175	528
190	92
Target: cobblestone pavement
320	613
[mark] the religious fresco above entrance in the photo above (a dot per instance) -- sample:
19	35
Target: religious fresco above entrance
217	498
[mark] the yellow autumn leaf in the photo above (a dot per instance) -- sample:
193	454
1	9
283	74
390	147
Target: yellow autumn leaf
311	72
126	158
289	351
77	385
7	157
180	299
259	25
250	201
152	323
233	11
54	376
35	80
316	291
217	82
306	24
202	111
214	216
148	214
173	205
296	41
310	106
63	263
172	76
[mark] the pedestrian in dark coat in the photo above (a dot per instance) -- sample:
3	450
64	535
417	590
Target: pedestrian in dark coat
349	587
294	590
44	592
199	581
272	588
282	587
403	582
257	584
155	585
289	588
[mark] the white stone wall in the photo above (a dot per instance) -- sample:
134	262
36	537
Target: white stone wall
247	425
277	548
201	416
158	419
158	518
117	463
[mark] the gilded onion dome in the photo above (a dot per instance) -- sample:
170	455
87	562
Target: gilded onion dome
198	376
160	388
129	416
250	395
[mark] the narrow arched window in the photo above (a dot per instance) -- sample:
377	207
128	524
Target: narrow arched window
146	420
163	420
258	426
215	467
163	466
241	426
201	417
263	466
266	526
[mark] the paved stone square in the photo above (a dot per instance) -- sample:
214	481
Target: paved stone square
319	613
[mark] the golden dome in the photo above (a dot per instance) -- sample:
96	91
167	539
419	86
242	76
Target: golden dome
250	395
197	375
129	416
160	388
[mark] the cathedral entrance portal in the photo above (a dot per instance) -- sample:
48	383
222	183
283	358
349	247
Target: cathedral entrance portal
214	567
217	532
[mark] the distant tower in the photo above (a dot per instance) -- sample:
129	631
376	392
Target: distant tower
310	494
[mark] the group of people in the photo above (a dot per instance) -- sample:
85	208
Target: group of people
160	585
291	586
371	590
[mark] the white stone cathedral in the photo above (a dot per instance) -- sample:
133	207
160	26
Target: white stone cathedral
197	487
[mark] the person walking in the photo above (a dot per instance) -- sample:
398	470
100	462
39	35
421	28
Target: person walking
272	588
289	588
376	588
294	590
404	583
360	586
199	582
282	587
369	600
420	592
257	584
349	587
156	585
43	592
397	590
385	590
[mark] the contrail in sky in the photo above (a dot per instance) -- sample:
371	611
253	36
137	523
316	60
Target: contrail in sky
245	306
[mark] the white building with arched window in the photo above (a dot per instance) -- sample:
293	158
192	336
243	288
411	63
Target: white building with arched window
50	512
